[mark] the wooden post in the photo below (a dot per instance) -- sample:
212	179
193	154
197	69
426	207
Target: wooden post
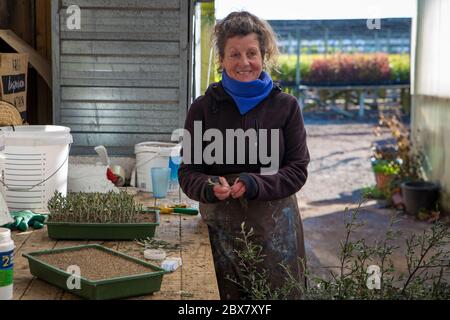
44	47
347	98
362	97
4	14
207	61
20	20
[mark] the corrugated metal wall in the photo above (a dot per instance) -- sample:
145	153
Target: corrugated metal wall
431	101
124	77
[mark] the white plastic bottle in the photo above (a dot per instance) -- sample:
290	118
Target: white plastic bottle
6	264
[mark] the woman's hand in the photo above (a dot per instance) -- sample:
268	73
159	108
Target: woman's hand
223	190
238	189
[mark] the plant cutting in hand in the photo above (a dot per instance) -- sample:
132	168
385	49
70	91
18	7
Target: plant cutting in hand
242	200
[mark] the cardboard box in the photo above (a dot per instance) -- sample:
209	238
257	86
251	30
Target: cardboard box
13	80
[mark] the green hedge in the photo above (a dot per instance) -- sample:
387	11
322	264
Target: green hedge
342	69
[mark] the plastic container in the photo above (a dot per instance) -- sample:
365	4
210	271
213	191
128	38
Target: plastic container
113	288
150	155
5	217
174	165
6	264
103	231
35	165
419	195
154	254
171	264
160	181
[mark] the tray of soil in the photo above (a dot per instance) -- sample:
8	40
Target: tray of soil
99	216
104	273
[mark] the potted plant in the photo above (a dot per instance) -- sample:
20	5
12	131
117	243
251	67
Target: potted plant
101	273
385	171
417	194
99	216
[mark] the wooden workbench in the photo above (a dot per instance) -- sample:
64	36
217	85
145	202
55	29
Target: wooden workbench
195	279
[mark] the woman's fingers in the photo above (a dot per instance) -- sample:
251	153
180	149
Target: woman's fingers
224	182
223	190
236	185
238	190
222	195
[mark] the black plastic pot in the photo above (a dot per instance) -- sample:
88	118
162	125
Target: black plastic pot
419	195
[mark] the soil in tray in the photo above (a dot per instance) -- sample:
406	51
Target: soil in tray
95	264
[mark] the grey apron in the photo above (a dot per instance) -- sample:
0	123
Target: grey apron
277	228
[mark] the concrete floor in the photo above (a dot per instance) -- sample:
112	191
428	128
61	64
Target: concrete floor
339	168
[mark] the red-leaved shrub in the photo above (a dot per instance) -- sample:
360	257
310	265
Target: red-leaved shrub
350	69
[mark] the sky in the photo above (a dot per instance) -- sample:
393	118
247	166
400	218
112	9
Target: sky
319	9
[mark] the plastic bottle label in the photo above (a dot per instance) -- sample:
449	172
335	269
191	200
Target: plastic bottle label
6	268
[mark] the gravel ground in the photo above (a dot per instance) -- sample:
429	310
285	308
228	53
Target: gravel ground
340	161
340	167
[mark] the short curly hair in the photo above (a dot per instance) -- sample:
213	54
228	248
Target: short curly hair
242	23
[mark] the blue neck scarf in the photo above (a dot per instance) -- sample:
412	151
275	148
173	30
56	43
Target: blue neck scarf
247	95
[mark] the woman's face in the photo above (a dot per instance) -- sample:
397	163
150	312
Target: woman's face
242	58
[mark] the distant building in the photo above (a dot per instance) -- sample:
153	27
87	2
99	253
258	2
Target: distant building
354	35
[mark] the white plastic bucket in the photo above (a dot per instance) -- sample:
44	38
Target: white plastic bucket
35	165
151	155
5	217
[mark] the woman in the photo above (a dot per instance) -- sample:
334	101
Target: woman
232	189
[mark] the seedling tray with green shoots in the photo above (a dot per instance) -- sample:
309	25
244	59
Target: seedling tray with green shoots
98	216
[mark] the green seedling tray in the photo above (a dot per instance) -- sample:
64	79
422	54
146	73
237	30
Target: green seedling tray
102	231
114	288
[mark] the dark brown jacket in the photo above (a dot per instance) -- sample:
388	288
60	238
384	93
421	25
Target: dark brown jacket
216	109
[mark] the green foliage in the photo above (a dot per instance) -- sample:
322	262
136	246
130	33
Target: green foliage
373	192
152	243
386	167
400	67
83	207
255	283
427	259
344	68
411	159
287	67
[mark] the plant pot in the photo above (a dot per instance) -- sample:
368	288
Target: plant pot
419	195
144	279
383	180
103	231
